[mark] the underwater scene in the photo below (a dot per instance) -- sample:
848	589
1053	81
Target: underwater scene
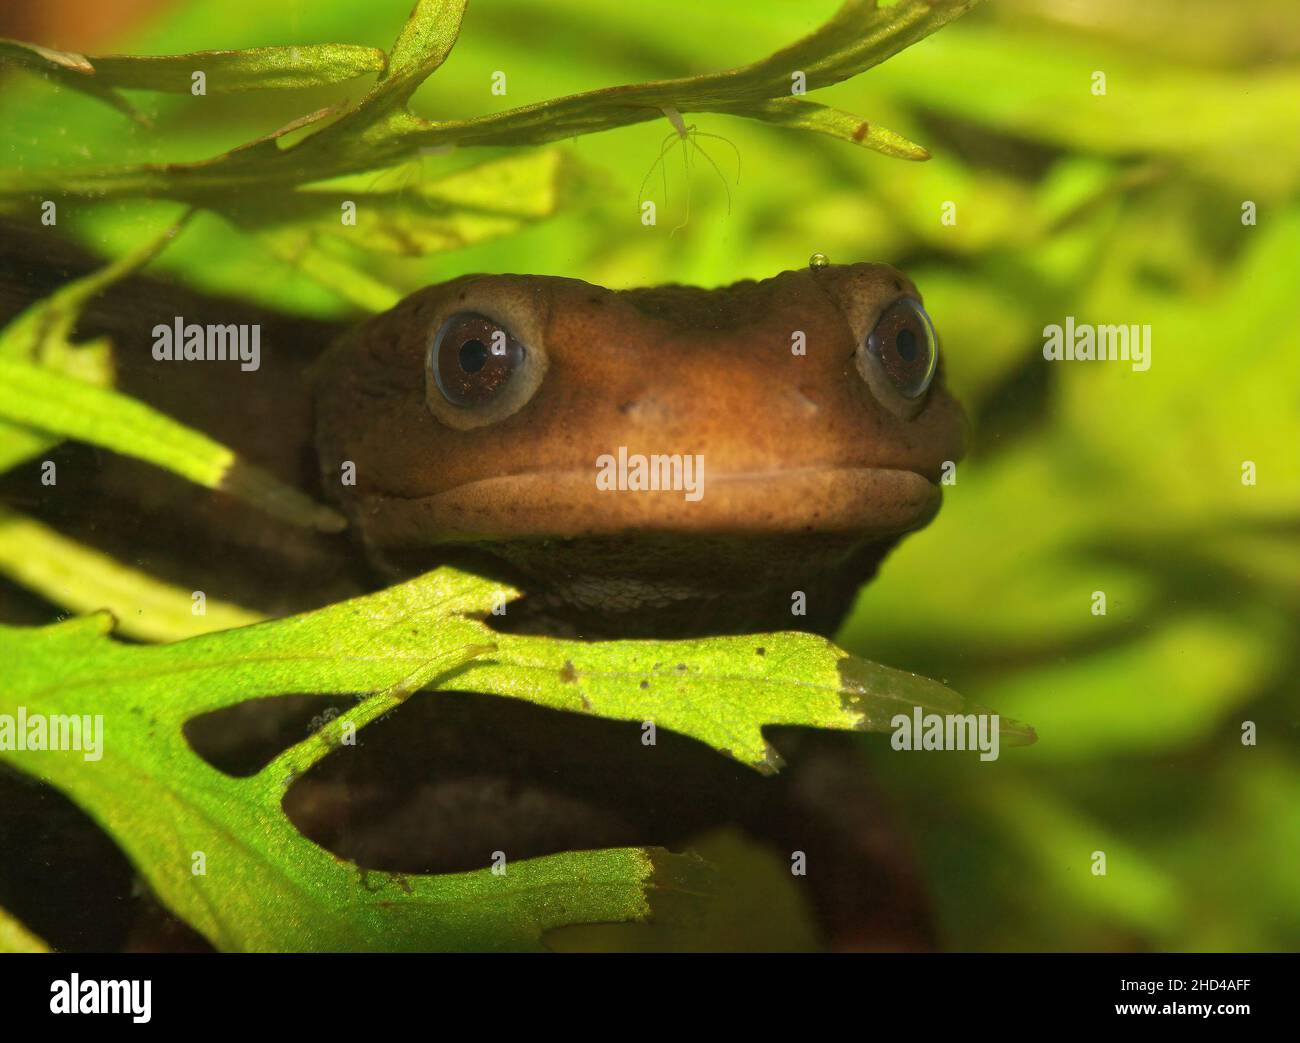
548	475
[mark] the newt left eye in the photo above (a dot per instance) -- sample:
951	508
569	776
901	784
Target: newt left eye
900	356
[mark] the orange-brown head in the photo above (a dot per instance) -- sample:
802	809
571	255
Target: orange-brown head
658	461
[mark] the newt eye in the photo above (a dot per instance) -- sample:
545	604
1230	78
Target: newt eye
477	372
900	356
472	359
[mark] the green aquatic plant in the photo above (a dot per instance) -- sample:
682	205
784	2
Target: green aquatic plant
287	186
380	129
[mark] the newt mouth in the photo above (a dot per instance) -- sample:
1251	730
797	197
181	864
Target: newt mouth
863	501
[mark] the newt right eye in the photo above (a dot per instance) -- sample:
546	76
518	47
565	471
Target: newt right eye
472	359
477	371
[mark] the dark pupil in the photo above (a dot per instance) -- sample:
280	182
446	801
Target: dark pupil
905	342
473	354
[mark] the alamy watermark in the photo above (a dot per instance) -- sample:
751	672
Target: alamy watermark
658	472
1084	342
62	732
73	995
946	731
215	342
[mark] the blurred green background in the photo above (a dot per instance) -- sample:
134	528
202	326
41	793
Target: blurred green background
1117	208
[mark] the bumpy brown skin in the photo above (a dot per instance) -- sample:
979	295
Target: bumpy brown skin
809	479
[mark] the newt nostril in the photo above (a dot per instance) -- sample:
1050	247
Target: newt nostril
805	397
649	411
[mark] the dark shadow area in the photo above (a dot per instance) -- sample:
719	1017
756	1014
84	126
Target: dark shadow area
451	778
241	740
68	883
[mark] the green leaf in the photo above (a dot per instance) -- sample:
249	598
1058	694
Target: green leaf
859	36
19	444
14	937
379	131
40	398
406	212
84	580
423	45
402	211
799	114
257	68
265	886
1167	108
43	334
304	249
721	690
71	70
